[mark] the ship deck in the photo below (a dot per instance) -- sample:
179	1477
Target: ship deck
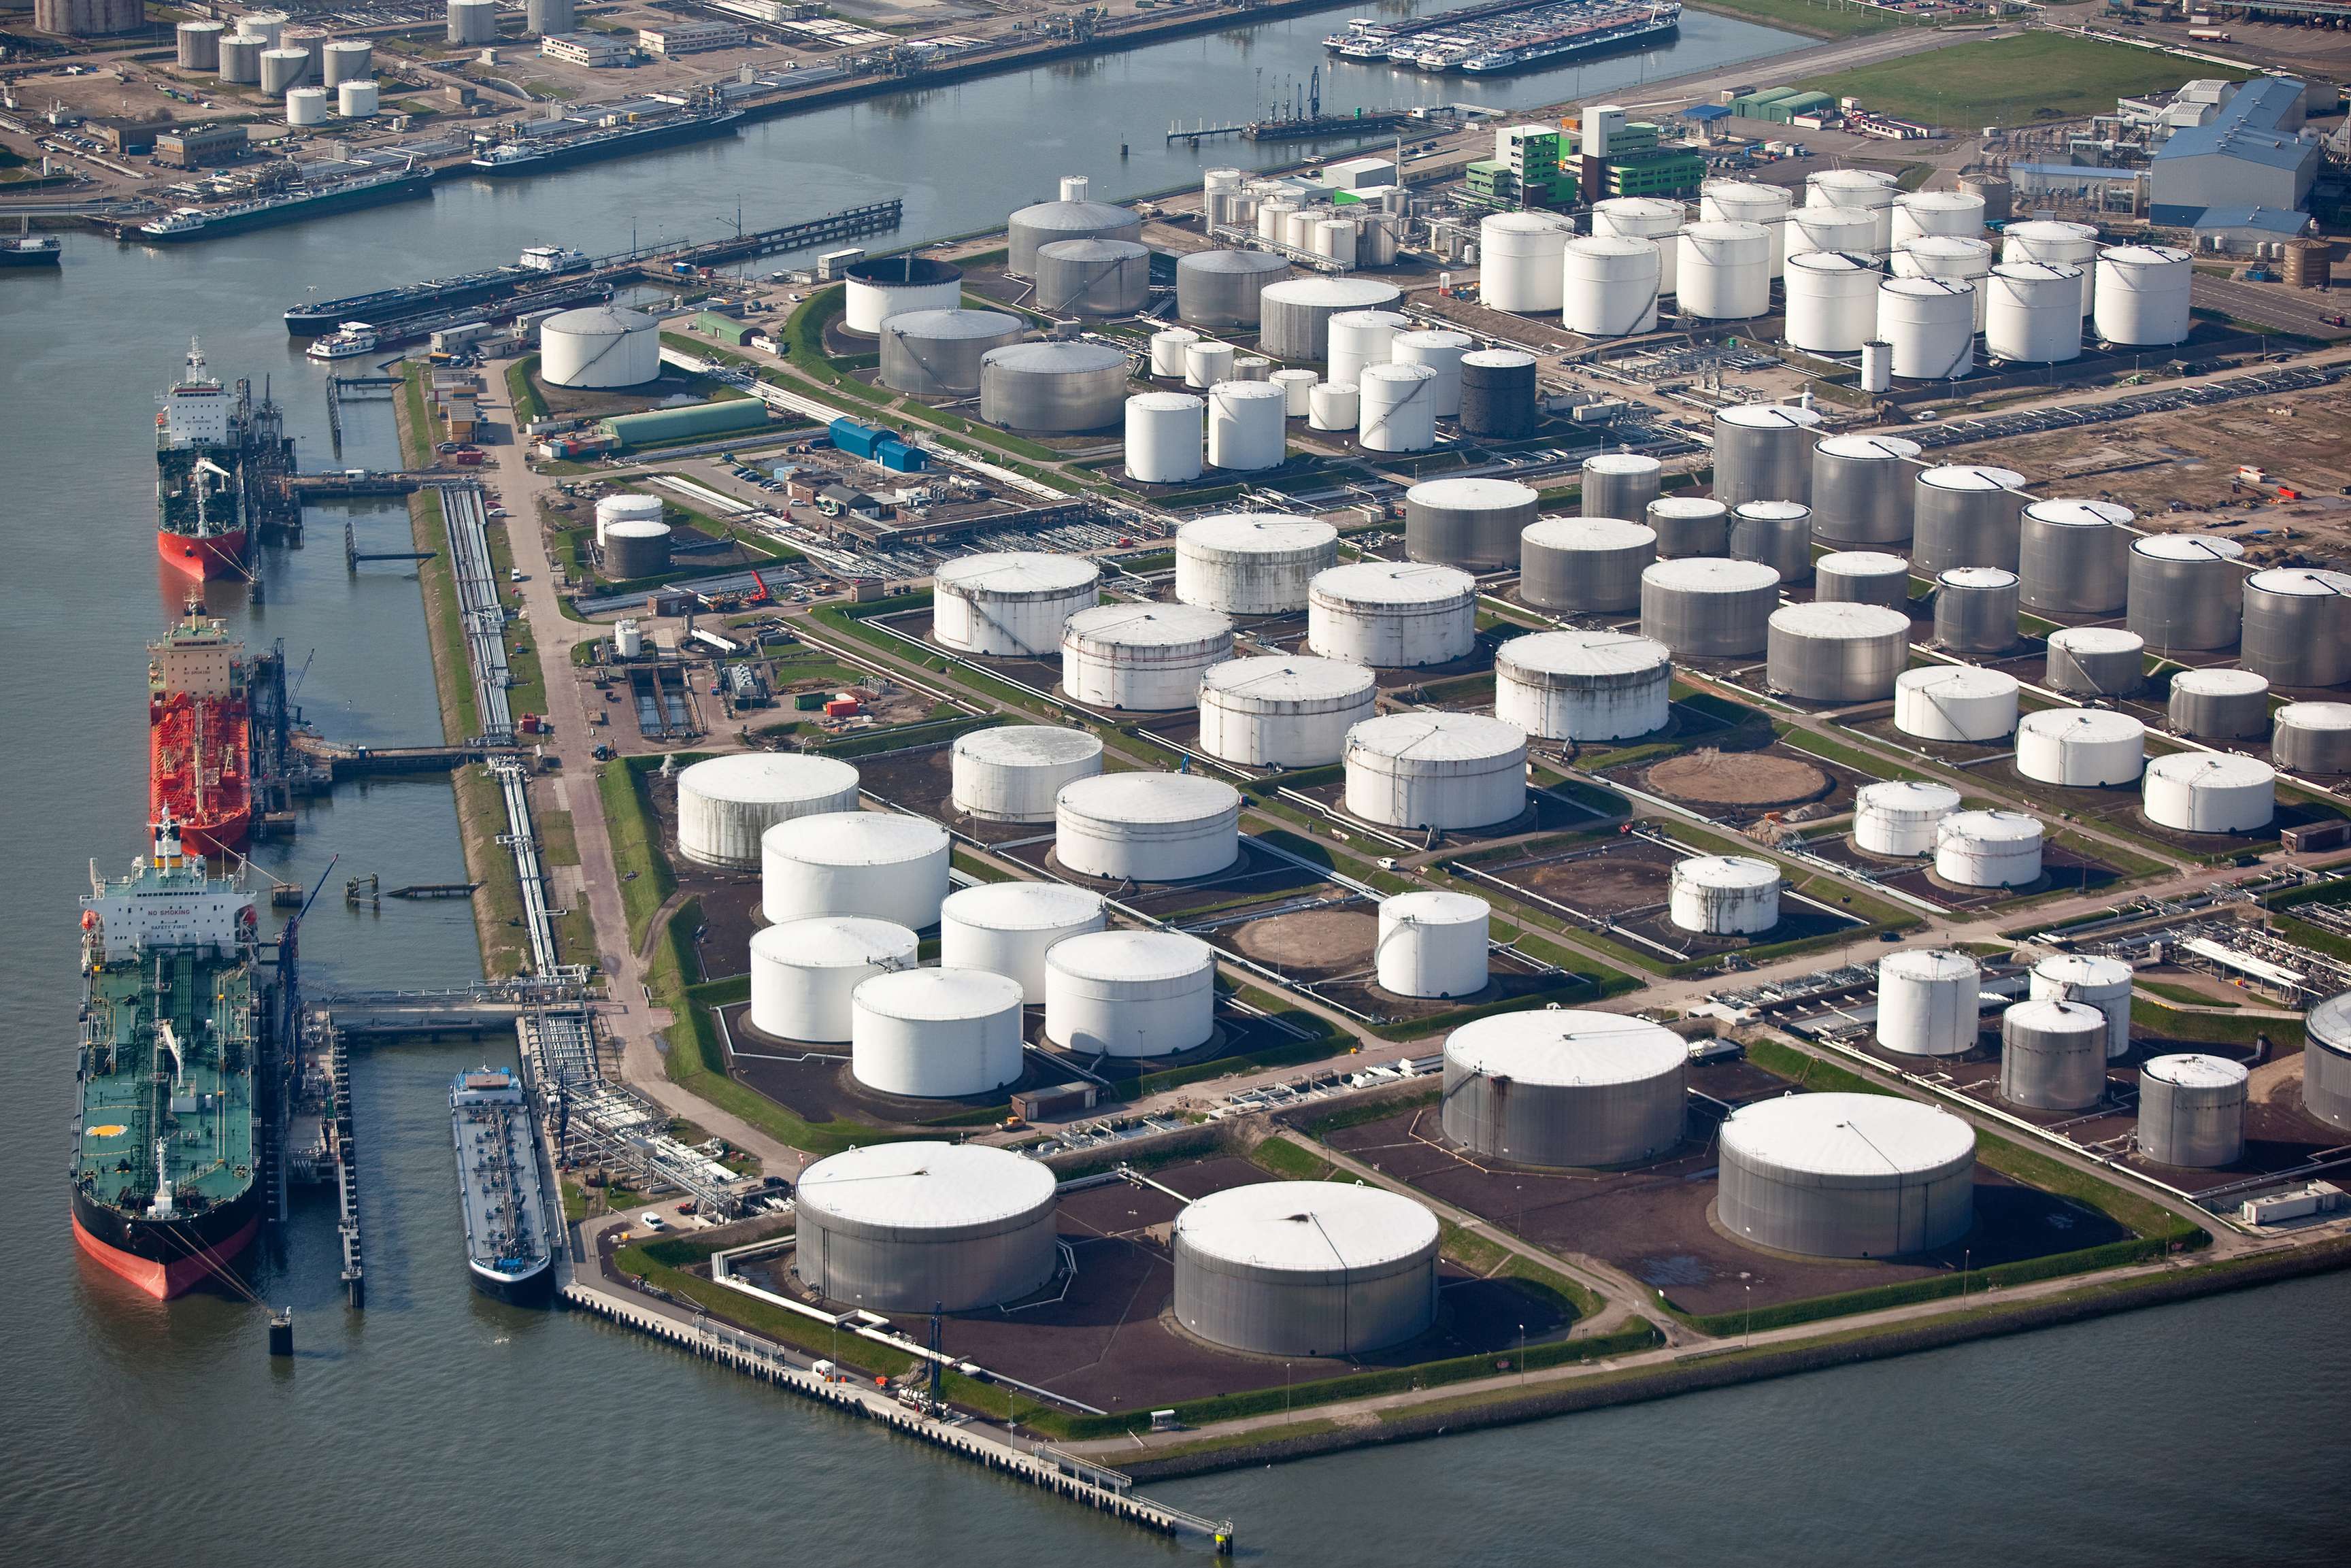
207	1113
507	1228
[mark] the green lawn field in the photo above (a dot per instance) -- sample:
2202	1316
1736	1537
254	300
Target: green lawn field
2011	81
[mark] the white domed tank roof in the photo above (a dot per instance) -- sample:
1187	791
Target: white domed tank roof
1302	1267
1147	827
919	1226
1046	222
804	972
881	865
1013	773
1251	563
1008	927
600	346
1847	1176
725	803
1563	1087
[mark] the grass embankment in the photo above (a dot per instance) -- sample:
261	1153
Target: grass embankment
522	390
1819	19
647	877
2212	1028
2012	81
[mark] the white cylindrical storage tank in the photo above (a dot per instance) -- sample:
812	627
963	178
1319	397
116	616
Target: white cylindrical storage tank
1054	386
925	1227
882	287
2082	748
2191	1111
1298	391
935	1034
1724	895
1960	260
1584	565
2052	1055
1609	286
1707	607
600	346
1011	604
1397	408
1863	491
308	106
1966	514
628	639
1565	1088
1930	322
1362	337
1219	288
2101	983
1143	658
1246	430
2297	626
1305	1268
1899	816
1956	702
355	100
938	353
1861	577
1518	261
1432	944
1207	362
1583	685
1076	187
196	45
1742	202
2219	705
1147	827
1848	231
1918	214
346	59
1170	346
1332	407
1474	524
1847	1176
2197	792
1297	228
1294	315
1251	563
1163	435
1273	219
2096	661
726	804
1283	711
1436	769
282	70
1392	615
1035	227
1440	353
472	22
2141	296
879	864
1927	1002
2186	590
1008	927
1837	651
1650	218
1870	191
1693	526
804	972
2073	557
1832	301
1091	277
1777	534
1724	271
1014	772
1619	484
1130	993
2031	312
240	61
1987	849
2054	244
2313	737
1763	452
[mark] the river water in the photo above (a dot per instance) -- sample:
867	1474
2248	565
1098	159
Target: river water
437	1428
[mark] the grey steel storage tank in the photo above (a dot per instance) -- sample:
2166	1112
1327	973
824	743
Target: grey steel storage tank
1497	393
1563	1087
2191	1111
1976	609
1847	1176
2052	1055
2326	1063
924	1226
1583	685
1619	484
937	353
1966	514
1688	525
2096	661
1862	577
1863	489
2313	737
2297	626
1763	452
1305	1268
1837	653
2073	557
1092	278
1220	287
2219	705
1709	607
1581	566
1294	315
1473	523
2186	590
1053	387
635	548
1046	222
1778	534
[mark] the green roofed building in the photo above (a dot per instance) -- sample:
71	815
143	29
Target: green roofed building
660	424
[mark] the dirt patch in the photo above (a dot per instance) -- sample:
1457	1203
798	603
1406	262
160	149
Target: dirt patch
1738	778
1335	940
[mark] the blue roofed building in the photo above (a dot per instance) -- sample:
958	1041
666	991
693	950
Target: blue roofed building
2250	154
2239	230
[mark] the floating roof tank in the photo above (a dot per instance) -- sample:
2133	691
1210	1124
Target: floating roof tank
1583	685
925	1227
1436	769
2191	1111
1283	711
1847	1176
725	803
882	287
1013	773
1305	1268
1011	604
1008	927
1432	944
1564	1088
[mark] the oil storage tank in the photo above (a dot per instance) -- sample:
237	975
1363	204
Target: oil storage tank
1251	563
1847	1175
626	507
1207	363
1921	214
1397	408
1650	218
1777	534
935	1034
1899	816
1976	609
1863	489
1294	315
1692	526
726	804
1436	769
2054	244
240	60
1724	895
2297	626
1583	685
2197	792
2095	981
937	353
2097	661
1951	257
2031	312
1474	524
1362	338
196	45
599	346
1707	607
1145	658
1246	430
1724	271
1837	653
1052	386
1391	615
1170	346
925	1227
878	865
882	287
1432	943
1831	299
2081	748
1013	773
1966	514
1763	452
1927	1002
1147	827
1008	927
635	548
346	59
282	70
2326	1063
2073	557
1564	1088
1931	323
1744	202
1497	393
2141	296
1092	278
1610	285
1011	604
1862	577
1441	353
1130	993
1956	702
2219	705
803	972
1033	227
1283	710
2052	1055
2186	590
1305	1268
1583	566
355	100
1987	849
1618	485
1870	191
1219	288
1165	435
1518	260
2313	737
2191	1111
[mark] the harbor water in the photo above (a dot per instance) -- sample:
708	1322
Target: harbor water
436	1427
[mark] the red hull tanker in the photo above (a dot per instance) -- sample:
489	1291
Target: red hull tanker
201	527
198	747
219	555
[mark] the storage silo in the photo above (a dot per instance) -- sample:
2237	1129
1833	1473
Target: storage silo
2081	748
1438	352
1518	260
937	353
1166	432
1987	849
1298	391
1435	769
1052	386
634	548
2095	981
1650	218
1847	1175
1219	288
196	45
1723	271
1011	604
1498	394
2141	296
1581	566
1008	927
1619	484
803	972
1359	338
1251	563
1870	191
1432	944
1976	609
2191	1111
2053	243
1689	527
1609	286
599	346
472	22
1724	895
1831	300
2313	737
1014	772
725	803
1837	653
935	1034
1777	534
357	99
1931	323
1392	615
2219	705
1955	701
879	864
1143	658
925	1227
1829	231
1863	489
1147	827
282	70
2052	1055
1283	710
1246	433
1581	686
2031	312
1093	277
1471	523
308	106
2326	1063
2186	590
1397	410
2073	557
1927	1002
1294	315
542	17
1033	227
1207	363
1742	201
882	287
1899	816
1939	213
1861	577
1130	993
1763	452
2297	626
1170	348
1305	1268
1965	513
1564	1088
2096	661
1332	407
2197	792
240	61
1708	607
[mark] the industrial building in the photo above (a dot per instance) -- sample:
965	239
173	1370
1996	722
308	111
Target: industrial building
2250	153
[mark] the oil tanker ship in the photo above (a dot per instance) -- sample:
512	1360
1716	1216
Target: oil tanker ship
221	464
507	1231
175	1004
182	225
536	265
198	745
538	154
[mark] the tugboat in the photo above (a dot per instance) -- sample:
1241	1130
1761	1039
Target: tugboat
507	1236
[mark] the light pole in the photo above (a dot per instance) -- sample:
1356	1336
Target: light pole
1747	1338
